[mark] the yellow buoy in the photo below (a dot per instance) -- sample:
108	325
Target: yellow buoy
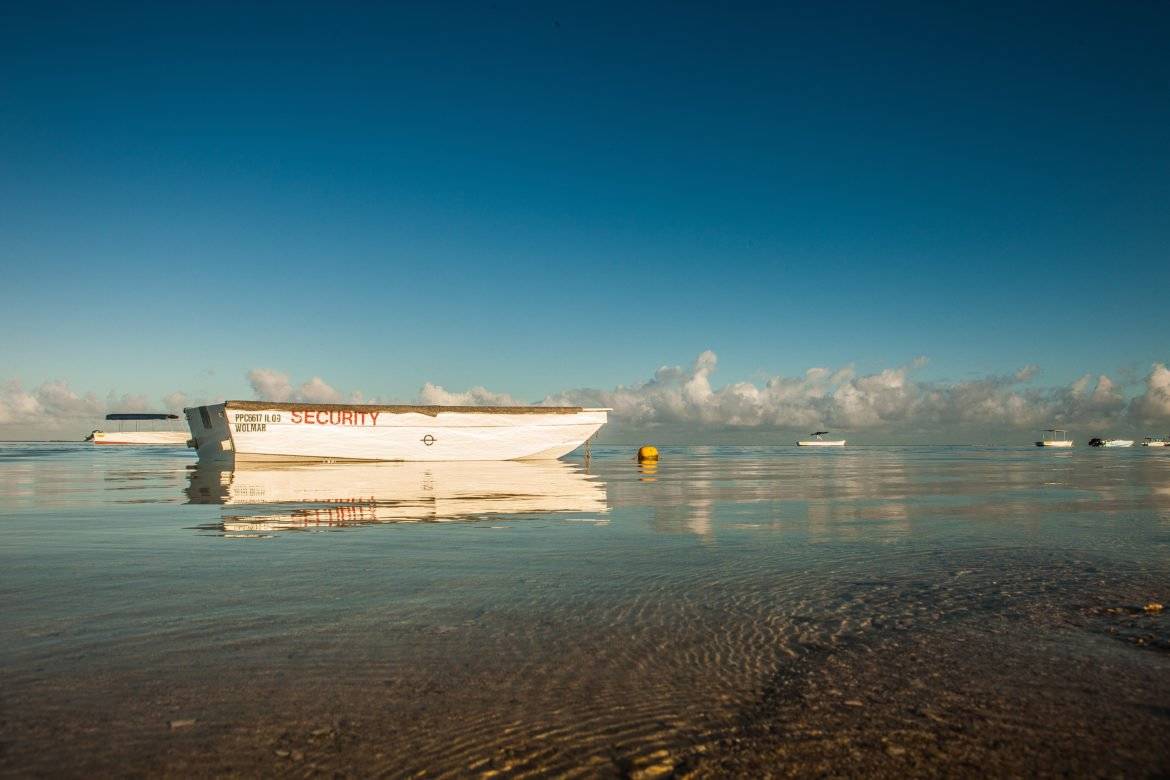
647	453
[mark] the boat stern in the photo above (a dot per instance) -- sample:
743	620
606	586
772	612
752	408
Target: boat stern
210	435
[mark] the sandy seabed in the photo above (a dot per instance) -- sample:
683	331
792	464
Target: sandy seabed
733	613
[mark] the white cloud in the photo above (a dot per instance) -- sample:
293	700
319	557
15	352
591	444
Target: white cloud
820	397
1027	373
1079	388
318	392
175	402
128	403
891	399
1154	403
50	405
269	385
16	404
54	406
688	399
476	396
1106	396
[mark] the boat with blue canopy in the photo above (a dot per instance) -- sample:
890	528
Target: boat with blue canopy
164	430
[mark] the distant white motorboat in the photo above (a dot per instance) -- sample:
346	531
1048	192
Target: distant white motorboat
818	440
271	431
1110	442
1054	437
1149	442
169	438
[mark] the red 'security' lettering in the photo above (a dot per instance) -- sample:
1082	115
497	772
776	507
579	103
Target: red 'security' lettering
336	417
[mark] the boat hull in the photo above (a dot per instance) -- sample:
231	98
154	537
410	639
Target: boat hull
821	443
142	438
1154	444
1055	443
261	432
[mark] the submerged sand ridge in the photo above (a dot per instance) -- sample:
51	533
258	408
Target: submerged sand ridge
741	614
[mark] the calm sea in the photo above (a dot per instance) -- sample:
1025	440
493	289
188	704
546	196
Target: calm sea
736	610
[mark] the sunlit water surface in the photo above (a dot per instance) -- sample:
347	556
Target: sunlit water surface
544	618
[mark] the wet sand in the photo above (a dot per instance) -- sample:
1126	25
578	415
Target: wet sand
737	612
1023	684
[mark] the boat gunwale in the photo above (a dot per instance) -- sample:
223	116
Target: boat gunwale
431	411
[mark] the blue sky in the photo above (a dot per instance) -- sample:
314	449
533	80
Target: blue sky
540	198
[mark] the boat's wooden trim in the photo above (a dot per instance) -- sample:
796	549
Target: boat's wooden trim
431	411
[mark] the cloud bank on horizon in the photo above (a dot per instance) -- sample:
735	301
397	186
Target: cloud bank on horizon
684	398
889	399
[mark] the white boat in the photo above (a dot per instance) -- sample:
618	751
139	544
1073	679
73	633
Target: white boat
1055	437
271	431
818	440
1149	442
284	496
1110	442
171	438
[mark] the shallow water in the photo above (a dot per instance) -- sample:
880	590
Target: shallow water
737	610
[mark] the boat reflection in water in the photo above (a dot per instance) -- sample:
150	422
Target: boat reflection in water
320	496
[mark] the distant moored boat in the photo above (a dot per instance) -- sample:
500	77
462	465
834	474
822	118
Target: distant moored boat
818	440
1150	442
271	431
1055	437
1095	442
171	438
